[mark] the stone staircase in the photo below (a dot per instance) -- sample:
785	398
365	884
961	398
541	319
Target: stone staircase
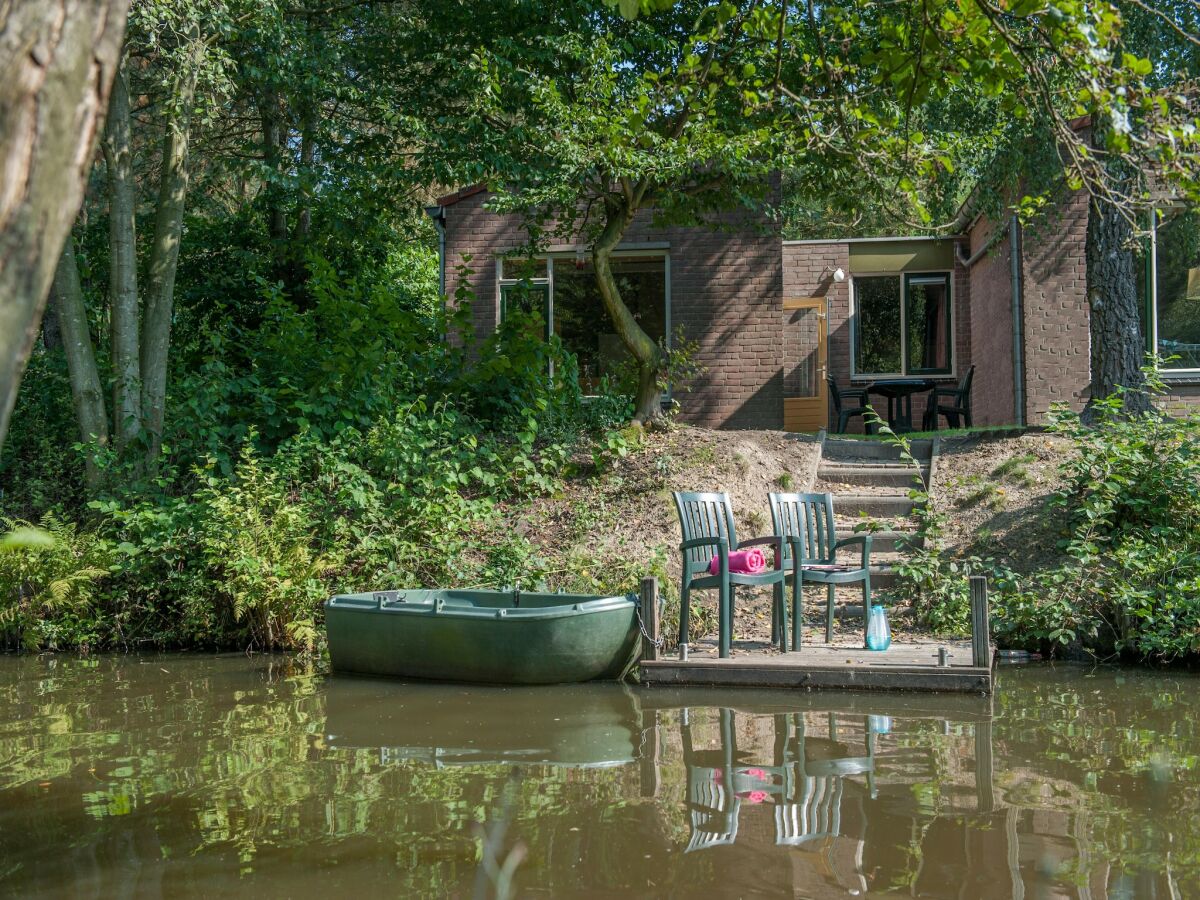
868	480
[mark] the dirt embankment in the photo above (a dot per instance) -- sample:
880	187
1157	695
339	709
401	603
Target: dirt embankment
612	524
996	494
621	516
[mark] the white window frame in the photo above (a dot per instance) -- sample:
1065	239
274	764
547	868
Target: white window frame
569	255
1153	288
903	276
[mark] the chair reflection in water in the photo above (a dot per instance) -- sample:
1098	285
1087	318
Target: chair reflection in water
805	783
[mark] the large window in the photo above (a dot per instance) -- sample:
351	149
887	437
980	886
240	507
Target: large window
566	289
901	324
1174	295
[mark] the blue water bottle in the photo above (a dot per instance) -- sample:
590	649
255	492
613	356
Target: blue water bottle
879	633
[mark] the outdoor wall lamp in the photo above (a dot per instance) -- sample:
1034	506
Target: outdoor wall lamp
839	274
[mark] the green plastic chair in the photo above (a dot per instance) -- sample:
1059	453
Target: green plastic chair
806	523
706	522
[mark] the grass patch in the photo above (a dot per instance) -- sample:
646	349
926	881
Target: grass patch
945	433
1016	468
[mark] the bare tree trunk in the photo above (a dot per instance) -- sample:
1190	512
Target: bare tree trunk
51	330
307	155
274	142
646	353
1118	348
87	393
122	241
57	59
164	257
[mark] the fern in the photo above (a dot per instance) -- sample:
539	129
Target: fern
47	575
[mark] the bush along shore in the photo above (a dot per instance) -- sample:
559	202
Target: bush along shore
390	458
1089	533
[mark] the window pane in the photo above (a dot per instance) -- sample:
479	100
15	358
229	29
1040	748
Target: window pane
1178	284
582	322
877	325
516	268
928	323
531	299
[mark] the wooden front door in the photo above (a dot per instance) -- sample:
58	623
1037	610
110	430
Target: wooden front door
805	349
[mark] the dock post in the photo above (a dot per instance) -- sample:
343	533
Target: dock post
981	639
649	773
985	791
649	616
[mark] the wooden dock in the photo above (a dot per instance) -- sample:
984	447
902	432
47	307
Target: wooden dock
911	665
902	667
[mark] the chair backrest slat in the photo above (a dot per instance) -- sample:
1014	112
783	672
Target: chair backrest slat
834	394
808	517
704	515
964	386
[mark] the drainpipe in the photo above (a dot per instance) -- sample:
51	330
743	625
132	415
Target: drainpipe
438	214
1018	343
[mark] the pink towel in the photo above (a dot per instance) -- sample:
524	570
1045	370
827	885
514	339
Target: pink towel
745	562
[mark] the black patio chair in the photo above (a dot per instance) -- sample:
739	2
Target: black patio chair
959	404
845	413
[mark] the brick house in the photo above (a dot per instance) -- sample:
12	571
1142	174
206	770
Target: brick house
771	317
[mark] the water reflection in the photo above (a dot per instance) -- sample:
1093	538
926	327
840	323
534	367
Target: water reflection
191	776
574	725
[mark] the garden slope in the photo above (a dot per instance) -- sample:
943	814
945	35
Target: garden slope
615	522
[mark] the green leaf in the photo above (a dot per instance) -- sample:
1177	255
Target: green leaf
25	538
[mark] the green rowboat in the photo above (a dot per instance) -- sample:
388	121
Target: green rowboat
495	637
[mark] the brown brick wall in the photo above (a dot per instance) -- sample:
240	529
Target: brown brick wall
1057	341
991	327
1181	399
725	294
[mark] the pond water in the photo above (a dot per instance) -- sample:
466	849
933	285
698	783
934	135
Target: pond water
191	775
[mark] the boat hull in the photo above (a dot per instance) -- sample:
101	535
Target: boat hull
488	637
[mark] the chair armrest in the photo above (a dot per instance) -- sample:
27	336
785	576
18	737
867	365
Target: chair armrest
771	540
719	542
863	539
855	394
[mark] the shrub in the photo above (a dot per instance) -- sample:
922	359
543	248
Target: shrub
47	584
1130	580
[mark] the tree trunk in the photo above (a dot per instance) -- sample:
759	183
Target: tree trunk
51	330
87	394
646	353
164	257
122	237
308	146
274	142
57	59
1118	348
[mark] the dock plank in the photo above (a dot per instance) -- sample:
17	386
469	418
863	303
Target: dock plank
904	667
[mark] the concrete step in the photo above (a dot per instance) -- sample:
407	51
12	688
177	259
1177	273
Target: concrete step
886	474
881	541
851	506
850	450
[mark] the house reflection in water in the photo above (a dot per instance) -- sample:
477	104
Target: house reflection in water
870	803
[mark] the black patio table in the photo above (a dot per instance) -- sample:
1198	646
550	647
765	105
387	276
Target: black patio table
899	393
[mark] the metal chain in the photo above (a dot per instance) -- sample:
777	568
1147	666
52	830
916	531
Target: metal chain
656	644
